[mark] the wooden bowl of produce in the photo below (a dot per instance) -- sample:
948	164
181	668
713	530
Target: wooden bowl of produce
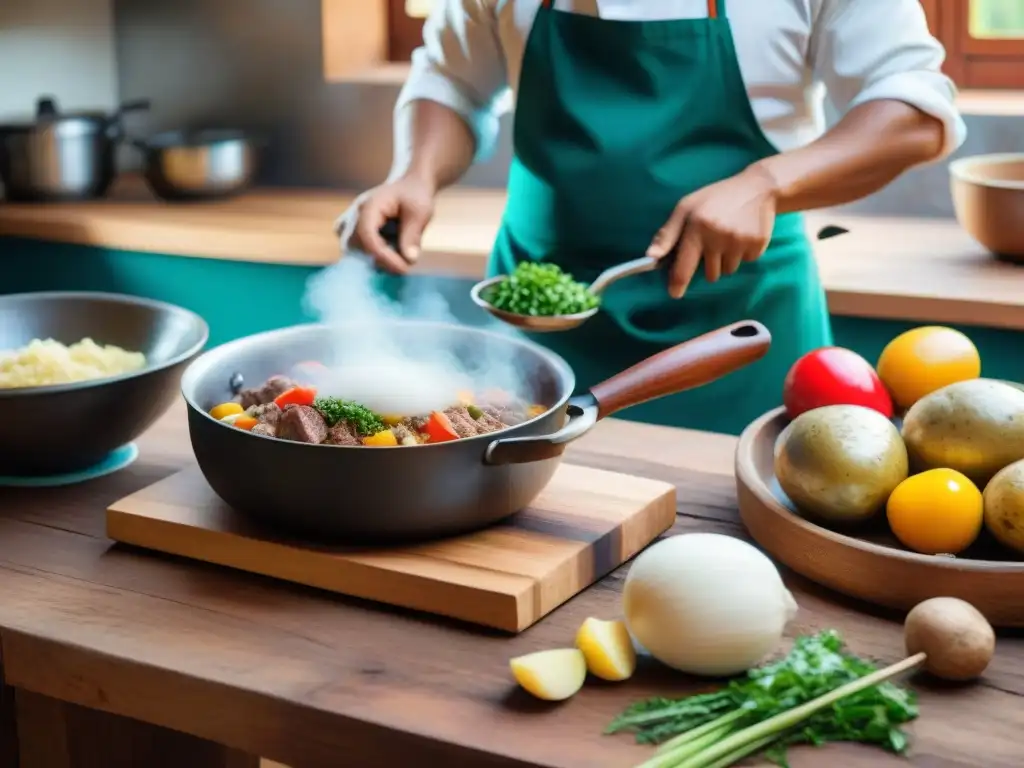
862	557
988	198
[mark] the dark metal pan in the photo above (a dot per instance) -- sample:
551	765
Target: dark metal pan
428	491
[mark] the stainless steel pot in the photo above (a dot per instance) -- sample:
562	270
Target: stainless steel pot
427	491
61	155
198	165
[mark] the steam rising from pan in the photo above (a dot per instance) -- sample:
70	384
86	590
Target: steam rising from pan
375	362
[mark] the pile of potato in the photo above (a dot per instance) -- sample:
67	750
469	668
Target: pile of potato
953	466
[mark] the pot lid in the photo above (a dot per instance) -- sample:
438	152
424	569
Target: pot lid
48	113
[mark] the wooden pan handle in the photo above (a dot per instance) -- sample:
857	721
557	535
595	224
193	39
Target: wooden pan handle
693	363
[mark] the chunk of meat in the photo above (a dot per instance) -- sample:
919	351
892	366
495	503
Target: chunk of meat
463	424
343	433
265	429
266	392
302	424
267	413
508	415
466	425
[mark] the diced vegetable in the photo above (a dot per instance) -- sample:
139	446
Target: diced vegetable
296	396
553	675
232	418
226	409
439	428
475	412
382	439
608	649
246	422
391	419
535	410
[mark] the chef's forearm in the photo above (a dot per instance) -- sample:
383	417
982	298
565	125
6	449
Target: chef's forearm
872	145
432	143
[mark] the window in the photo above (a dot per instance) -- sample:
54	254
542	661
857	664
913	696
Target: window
405	27
984	40
363	39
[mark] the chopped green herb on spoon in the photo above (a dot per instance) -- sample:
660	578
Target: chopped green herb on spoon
541	290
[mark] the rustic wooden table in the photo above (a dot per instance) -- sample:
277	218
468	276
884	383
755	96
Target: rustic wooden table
119	658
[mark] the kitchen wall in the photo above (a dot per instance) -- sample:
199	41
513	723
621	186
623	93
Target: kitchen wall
60	47
258	64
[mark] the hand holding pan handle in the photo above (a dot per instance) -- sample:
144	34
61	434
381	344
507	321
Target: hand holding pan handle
691	364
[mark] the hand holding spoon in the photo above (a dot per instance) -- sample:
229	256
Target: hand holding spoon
546	323
540	323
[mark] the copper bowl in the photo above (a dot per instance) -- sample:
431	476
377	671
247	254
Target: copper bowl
988	197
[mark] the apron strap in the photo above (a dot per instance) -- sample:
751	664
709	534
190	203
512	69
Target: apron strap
713	7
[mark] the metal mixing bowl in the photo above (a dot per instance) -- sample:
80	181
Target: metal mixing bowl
70	427
199	165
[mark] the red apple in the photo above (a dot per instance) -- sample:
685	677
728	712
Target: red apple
834	376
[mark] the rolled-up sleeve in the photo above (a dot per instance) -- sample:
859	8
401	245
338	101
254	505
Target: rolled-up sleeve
866	50
461	65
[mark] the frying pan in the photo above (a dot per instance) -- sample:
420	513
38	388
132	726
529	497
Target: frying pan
360	494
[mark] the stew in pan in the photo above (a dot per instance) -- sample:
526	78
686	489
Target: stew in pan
284	409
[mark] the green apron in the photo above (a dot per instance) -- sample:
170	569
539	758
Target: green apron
616	121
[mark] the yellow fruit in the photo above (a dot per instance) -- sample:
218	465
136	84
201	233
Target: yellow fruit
226	409
607	648
552	675
922	360
936	512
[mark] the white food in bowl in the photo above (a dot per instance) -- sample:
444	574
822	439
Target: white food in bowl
706	604
46	362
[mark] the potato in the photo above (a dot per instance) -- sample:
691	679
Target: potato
607	648
552	675
1004	506
840	462
957	639
975	427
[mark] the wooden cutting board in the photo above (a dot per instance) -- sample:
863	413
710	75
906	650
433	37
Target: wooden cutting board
584	524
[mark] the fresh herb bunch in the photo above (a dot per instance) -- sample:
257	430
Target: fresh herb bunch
334	409
541	290
815	666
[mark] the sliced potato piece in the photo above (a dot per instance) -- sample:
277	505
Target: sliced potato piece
553	675
607	648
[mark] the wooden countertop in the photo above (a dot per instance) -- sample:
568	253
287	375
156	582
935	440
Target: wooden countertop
889	268
303	677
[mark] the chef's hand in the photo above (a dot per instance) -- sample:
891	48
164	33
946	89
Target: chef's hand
407	199
726	223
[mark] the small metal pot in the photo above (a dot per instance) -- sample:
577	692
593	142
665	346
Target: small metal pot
199	165
61	155
355	494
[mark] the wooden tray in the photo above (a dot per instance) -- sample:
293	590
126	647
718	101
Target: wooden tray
586	523
871	566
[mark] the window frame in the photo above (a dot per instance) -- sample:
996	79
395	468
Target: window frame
974	62
405	33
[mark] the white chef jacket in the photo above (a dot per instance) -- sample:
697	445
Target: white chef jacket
791	53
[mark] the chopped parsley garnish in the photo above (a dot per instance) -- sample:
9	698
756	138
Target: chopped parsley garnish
722	727
334	409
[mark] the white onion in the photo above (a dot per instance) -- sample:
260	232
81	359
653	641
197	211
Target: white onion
706	604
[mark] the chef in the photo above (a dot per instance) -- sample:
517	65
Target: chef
691	130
